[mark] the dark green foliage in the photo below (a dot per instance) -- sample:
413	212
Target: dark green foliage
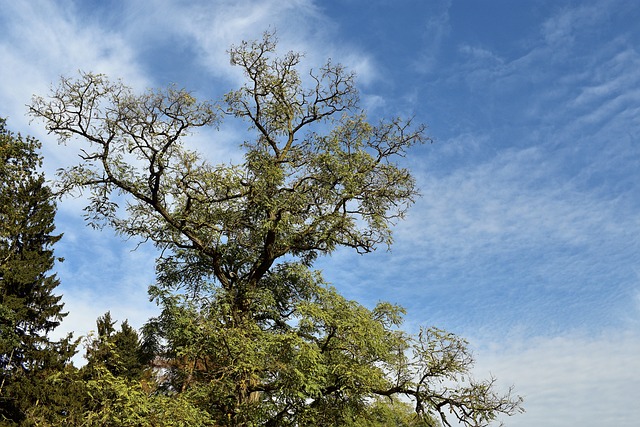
119	352
29	309
117	386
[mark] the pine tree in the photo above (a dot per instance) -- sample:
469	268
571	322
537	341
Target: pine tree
29	309
120	352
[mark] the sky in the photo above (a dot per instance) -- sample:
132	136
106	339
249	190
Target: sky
526	237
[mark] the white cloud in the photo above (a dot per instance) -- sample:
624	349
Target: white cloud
612	77
511	242
511	199
210	28
101	273
436	29
560	29
51	39
566	380
44	40
480	54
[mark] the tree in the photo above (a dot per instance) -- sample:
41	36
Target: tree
248	327
116	386
383	412
119	352
29	310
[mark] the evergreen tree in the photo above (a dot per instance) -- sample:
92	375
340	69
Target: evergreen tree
29	309
119	352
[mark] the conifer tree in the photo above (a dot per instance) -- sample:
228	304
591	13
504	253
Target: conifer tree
29	309
120	352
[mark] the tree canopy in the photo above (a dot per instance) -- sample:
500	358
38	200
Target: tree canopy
249	332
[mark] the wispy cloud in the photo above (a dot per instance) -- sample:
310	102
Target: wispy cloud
44	40
561	376
51	39
436	29
208	29
561	28
518	193
480	54
611	76
101	273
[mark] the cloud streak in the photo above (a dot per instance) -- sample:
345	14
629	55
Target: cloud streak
561	377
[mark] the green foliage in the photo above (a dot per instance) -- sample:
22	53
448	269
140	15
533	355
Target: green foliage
105	400
60	401
383	412
249	334
322	363
118	352
118	402
28	308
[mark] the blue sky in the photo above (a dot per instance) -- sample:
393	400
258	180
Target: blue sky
526	239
